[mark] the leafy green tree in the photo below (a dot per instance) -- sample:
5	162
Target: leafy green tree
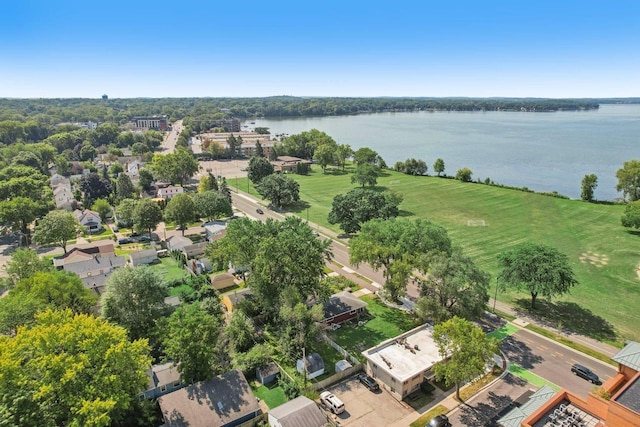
360	205
415	167
72	370
57	228
11	131
125	139
304	144
589	184
395	245
225	190
259	167
261	130
325	156
63	166
241	332
94	187
58	290
279	189
211	205
343	152
466	350
115	169
259	355
19	213
23	264
176	167
464	175
207	183
124	212
537	268
180	210
279	254
259	150
631	217
17	311
105	134
629	180
365	174
146	215
146	178
190	341
298	327
124	187
134	298
234	145
88	152
452	285
365	156
103	208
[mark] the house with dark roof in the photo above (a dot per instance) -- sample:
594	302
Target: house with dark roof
89	219
93	264
299	412
163	379
224	401
616	403
313	364
342	307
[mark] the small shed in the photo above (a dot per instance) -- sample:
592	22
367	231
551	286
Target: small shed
268	373
232	299
145	256
299	412
222	281
314	365
343	365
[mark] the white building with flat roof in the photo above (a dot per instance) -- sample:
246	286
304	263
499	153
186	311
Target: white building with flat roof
402	363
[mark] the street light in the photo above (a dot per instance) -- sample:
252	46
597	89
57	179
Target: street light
495	296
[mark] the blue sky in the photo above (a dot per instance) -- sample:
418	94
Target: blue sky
58	48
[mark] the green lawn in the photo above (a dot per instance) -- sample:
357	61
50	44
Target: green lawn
169	269
272	394
603	254
386	323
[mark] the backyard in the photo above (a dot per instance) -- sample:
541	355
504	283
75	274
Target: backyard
272	394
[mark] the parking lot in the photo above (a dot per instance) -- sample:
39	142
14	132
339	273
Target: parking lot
365	408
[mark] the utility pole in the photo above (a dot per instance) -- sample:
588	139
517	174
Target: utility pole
495	296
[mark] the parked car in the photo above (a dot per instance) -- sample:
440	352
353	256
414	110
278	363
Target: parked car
334	404
439	421
260	211
586	373
124	240
134	234
369	382
144	239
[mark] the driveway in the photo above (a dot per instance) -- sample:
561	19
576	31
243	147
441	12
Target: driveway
365	408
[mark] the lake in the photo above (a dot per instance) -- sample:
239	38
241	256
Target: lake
541	151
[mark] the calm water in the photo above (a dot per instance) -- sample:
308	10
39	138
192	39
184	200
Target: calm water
542	151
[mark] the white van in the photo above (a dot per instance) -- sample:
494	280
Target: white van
334	404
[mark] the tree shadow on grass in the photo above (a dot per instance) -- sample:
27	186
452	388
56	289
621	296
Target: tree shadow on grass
405	213
634	232
336	172
568	317
296	207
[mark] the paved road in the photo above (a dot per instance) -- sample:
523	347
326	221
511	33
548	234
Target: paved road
170	139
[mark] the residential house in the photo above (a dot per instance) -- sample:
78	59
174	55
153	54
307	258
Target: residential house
224	401
194	250
89	219
341	307
268	373
93	264
616	403
145	256
403	363
133	167
232	299
177	243
313	364
215	230
200	266
167	193
163	379
62	192
299	412
223	281
288	164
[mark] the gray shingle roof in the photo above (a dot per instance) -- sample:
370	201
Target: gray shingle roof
343	302
299	412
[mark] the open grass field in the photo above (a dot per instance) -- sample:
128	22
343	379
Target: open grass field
604	255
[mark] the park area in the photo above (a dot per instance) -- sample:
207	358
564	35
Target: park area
488	220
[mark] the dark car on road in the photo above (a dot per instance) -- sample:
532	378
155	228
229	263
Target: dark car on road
586	373
439	421
260	211
124	241
369	382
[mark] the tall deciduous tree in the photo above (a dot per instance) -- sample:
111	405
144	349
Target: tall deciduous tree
134	298
124	212
72	370
176	167
452	285
395	245
365	156
23	264
467	350
103	208
464	175
279	189
325	156
57	228
629	180
259	167
124	187
631	217
180	210
365	174
94	187
360	205
19	213
190	341
146	215
343	152
211	205
537	268
207	183
589	184
438	166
